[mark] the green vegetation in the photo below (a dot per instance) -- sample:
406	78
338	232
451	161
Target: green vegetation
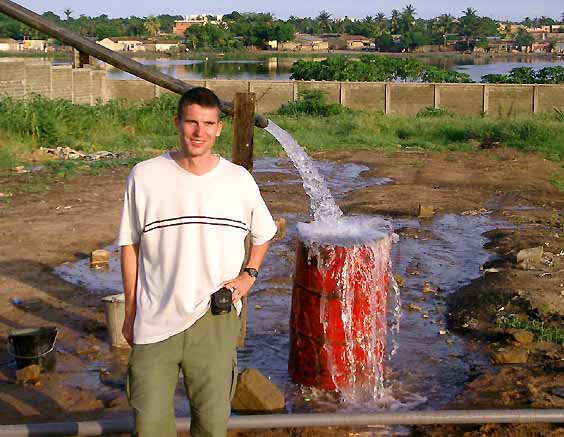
311	103
542	332
372	68
147	127
557	181
552	75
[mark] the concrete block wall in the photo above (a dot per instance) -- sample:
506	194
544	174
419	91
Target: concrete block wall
12	83
38	80
85	86
61	82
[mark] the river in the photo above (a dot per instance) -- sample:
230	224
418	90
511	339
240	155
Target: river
279	68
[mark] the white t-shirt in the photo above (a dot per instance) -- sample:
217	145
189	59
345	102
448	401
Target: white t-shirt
191	231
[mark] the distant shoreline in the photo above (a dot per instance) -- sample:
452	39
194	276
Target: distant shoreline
263	54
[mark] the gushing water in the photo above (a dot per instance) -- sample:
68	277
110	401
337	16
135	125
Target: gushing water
353	255
323	206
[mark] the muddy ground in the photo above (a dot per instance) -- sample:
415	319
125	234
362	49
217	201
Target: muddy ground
48	221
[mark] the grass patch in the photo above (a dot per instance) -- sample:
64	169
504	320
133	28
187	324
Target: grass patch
557	180
537	327
139	127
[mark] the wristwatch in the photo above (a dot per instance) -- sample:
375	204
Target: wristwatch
253	273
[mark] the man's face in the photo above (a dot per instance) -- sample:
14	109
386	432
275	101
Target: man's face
198	128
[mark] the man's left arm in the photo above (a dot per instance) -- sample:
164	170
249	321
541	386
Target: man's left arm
241	285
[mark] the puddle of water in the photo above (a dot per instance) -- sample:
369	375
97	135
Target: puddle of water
340	178
430	366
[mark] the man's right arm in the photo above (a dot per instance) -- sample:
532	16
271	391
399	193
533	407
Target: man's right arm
129	259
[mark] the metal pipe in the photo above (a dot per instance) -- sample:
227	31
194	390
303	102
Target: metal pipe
101	427
100	52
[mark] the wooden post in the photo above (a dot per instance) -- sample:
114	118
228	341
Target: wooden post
436	96
387	98
243	124
80	59
486	99
535	99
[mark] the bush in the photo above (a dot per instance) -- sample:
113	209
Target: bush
311	103
430	111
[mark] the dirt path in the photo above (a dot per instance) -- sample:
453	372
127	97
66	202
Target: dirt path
66	220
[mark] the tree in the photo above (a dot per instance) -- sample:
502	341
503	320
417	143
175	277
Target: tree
68	12
441	26
324	19
407	19
152	25
395	21
524	38
469	23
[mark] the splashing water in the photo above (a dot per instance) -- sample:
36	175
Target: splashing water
351	258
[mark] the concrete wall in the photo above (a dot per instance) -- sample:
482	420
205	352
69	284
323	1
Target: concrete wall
85	86
12	83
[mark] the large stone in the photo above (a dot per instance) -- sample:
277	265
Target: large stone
530	258
29	374
99	259
255	393
280	228
425	211
511	355
521	337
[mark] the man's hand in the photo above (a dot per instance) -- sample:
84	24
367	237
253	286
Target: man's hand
127	329
240	286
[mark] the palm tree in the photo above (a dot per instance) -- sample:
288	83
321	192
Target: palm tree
381	17
469	23
443	25
152	25
68	12
394	21
324	19
407	18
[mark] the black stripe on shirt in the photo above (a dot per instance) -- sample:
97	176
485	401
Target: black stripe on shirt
194	223
195	217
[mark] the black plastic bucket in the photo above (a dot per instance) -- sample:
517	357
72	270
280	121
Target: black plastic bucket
34	346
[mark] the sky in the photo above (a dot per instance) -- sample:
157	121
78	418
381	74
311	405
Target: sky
498	9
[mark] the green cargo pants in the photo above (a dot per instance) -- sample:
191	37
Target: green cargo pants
206	354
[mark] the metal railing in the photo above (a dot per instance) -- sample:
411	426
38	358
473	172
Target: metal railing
104	427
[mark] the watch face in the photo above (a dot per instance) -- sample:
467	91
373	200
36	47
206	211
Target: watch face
252	272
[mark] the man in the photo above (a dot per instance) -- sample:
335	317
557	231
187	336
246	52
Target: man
186	214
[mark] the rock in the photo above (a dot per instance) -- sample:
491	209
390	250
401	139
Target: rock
510	356
399	280
280	228
256	393
558	391
28	374
527	259
408	232
425	211
428	288
521	337
99	258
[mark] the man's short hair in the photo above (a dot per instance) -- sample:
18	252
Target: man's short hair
199	96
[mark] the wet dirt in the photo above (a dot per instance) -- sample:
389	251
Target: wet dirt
63	223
